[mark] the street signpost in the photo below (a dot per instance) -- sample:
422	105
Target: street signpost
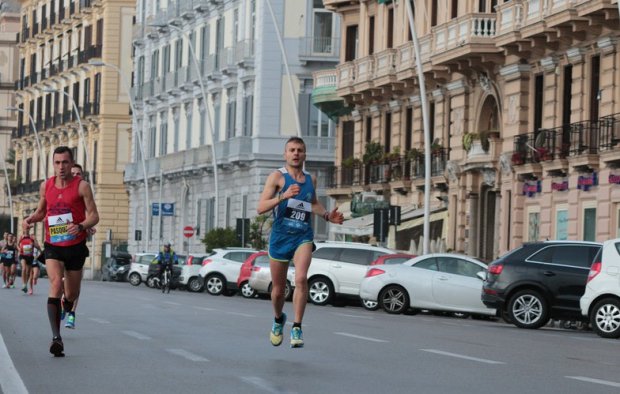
188	231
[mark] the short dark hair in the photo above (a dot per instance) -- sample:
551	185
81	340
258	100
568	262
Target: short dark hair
297	140
64	149
76	165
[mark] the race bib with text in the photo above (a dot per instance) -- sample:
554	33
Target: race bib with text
57	225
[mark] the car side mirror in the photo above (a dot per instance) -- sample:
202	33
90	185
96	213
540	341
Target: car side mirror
482	275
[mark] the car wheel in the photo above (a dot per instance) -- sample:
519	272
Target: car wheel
195	285
215	284
246	290
135	279
528	309
288	291
152	282
394	299
320	291
605	318
370	305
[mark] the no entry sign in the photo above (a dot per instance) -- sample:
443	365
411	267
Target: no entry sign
188	231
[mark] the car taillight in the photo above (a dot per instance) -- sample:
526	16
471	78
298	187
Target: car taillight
206	261
496	269
374	272
594	270
189	260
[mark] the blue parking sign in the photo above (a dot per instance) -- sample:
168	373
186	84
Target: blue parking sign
167	209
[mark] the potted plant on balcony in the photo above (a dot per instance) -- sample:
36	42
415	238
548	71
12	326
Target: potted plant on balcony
350	170
374	160
392	159
413	156
476	143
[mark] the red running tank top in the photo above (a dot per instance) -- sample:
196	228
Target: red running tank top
26	246
64	206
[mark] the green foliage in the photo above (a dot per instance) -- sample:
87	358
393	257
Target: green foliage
258	227
373	153
351	162
220	238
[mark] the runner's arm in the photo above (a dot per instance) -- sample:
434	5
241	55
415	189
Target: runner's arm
268	198
39	213
333	217
92	215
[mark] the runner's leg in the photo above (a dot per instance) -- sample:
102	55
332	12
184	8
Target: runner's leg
302	259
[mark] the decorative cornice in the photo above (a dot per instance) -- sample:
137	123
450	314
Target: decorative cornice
607	44
375	109
575	55
395	105
457	85
514	70
548	63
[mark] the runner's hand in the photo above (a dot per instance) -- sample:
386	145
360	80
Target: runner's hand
336	217
292	191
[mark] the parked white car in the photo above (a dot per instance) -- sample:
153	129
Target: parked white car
139	268
338	268
601	300
190	273
260	277
442	281
220	270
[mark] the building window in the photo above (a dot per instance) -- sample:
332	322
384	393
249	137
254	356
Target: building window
351	43
216	116
176	117
371	35
589	224
248	110
231	113
322	28
189	116
561	224
163	133
152	136
203	123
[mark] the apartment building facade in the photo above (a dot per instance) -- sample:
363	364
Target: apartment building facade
523	107
63	100
9	27
248	100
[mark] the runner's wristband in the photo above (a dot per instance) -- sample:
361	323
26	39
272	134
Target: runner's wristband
326	216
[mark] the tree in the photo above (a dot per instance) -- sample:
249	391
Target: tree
257	231
220	238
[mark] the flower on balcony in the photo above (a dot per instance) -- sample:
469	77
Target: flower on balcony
413	154
544	154
373	153
517	158
392	156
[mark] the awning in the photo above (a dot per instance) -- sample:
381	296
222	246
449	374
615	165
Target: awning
363	225
437	213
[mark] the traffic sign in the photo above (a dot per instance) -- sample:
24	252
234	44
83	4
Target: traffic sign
188	231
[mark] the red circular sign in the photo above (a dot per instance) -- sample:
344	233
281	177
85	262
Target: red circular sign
188	231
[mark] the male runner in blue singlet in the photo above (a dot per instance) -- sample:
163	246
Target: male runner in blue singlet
290	193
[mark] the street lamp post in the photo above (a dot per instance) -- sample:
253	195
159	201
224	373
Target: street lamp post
138	134
8	188
427	130
36	134
81	132
206	101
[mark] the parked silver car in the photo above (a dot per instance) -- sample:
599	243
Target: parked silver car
260	278
139	269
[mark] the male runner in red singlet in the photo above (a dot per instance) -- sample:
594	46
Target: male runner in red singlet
69	210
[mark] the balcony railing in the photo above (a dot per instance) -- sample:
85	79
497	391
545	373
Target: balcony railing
245	52
398	169
26	188
319	47
609	132
464	30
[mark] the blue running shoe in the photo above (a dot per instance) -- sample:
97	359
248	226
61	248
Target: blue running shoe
297	337
70	321
276	331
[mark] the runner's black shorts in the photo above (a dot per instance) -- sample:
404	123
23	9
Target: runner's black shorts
73	256
28	259
8	263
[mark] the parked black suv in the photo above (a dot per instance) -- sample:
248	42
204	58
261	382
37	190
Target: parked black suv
540	281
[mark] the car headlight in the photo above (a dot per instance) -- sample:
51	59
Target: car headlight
122	269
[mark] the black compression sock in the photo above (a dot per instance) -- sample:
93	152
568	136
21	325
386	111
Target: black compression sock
53	313
68	305
297	325
280	319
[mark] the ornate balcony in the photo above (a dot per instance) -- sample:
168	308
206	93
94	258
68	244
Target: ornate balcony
324	94
466	40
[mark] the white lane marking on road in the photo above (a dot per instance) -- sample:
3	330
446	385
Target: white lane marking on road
172	303
240	314
592	380
264	385
455	324
10	381
346	334
100	321
480	360
137	335
203	308
356	316
187	355
585	338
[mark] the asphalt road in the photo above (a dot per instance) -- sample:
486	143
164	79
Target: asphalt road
138	340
